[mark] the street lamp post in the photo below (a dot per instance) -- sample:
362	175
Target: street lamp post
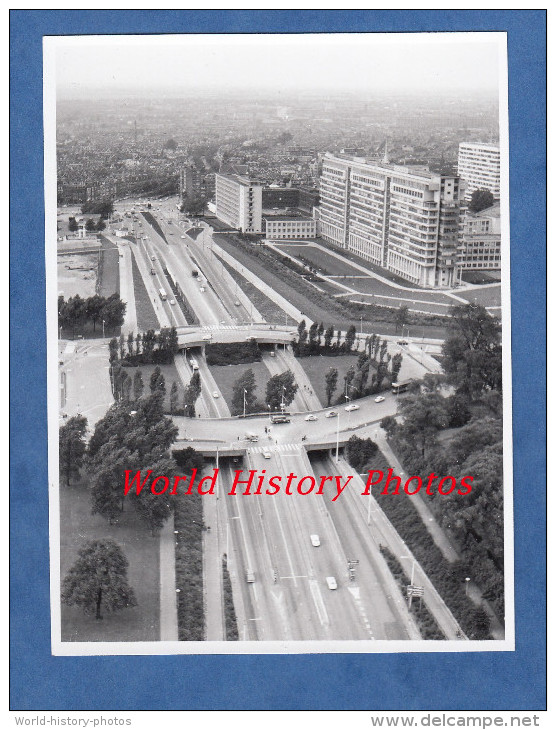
244	393
467	586
338	437
103	329
361	330
410	557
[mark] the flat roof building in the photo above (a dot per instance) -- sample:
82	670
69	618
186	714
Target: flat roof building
239	202
481	240
402	219
295	226
479	168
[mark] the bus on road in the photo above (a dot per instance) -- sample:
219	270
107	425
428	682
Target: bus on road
400	387
280	418
162	294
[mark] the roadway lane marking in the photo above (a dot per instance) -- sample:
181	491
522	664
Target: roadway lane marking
285	542
319	602
355	592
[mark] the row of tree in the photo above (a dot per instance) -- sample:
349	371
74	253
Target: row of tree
76	312
90	225
128	389
472	366
320	341
146	348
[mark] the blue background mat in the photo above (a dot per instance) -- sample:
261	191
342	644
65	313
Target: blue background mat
470	681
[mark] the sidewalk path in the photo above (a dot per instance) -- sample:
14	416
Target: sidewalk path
168	598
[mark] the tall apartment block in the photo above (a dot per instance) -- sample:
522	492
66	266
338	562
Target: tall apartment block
239	202
403	219
479	168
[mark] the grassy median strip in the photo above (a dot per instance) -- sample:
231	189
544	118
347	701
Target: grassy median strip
146	317
426	622
232	633
445	576
149	217
269	309
188	522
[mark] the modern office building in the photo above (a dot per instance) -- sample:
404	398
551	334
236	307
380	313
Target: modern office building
239	202
479	168
405	220
481	240
292	227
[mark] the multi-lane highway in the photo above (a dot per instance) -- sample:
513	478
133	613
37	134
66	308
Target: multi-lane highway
287	586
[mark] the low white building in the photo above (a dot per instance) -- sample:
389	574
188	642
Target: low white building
481	240
282	227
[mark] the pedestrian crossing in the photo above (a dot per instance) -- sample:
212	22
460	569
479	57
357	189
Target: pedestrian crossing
283	448
212	327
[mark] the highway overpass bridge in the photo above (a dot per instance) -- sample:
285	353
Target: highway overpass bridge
200	335
262	332
214	448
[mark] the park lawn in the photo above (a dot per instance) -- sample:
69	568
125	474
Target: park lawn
490	296
323	262
226	376
108	282
316	367
146	317
77	527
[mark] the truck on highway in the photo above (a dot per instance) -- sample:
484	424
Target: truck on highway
194	364
163	295
251	437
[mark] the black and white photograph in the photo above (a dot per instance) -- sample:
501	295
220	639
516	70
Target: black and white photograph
278	318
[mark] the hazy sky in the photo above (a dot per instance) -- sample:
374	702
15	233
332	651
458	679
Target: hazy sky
433	62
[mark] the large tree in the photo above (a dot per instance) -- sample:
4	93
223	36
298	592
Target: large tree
138	386
72	447
331	383
243	393
422	417
93	308
157	381
113	311
173	398
191	394
349	338
472	351
280	390
480	200
402	317
131	435
98	579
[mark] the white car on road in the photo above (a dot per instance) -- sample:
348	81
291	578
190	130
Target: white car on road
311	417
331	414
315	540
352	407
380	399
